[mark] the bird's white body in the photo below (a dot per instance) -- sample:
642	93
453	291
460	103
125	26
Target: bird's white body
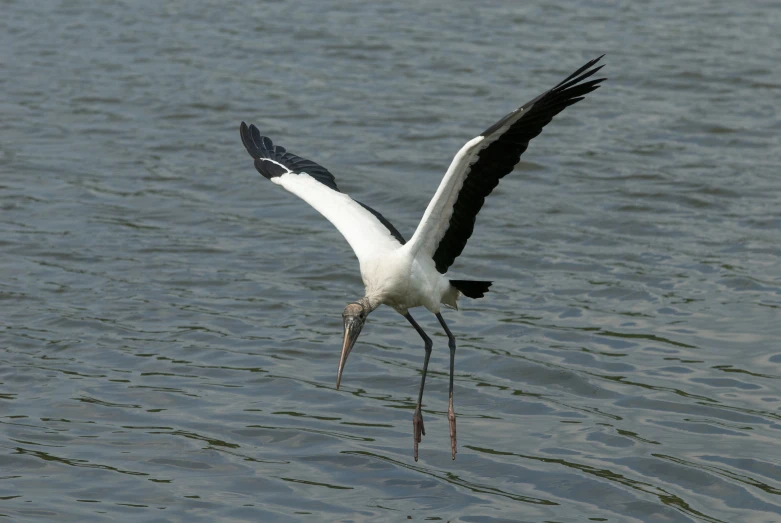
403	281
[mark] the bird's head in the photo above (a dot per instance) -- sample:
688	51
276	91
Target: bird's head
354	316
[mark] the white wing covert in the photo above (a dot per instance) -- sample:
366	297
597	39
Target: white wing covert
367	231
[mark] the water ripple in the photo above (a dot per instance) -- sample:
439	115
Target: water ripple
171	323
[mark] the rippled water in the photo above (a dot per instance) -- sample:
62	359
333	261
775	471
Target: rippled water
171	321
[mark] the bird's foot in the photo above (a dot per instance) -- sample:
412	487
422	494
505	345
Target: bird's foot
451	417
418	430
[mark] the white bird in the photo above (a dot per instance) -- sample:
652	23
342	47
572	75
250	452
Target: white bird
404	275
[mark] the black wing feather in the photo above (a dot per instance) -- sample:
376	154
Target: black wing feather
500	157
274	160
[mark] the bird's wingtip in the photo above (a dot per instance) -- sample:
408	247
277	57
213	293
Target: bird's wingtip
246	139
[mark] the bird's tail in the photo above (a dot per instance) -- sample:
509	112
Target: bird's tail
470	288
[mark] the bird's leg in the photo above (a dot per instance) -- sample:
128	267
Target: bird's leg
451	415
417	417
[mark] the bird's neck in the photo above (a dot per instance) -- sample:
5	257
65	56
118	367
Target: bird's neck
370	302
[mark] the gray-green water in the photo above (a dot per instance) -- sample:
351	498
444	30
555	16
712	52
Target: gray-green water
171	321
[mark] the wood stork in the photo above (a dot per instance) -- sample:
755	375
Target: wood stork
407	274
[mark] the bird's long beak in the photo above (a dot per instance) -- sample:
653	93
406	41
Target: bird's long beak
352	328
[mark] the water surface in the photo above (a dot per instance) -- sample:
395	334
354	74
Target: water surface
171	321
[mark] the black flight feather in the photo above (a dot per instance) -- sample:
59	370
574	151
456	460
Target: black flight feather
273	160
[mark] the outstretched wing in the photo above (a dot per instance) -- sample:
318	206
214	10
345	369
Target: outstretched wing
477	168
366	230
